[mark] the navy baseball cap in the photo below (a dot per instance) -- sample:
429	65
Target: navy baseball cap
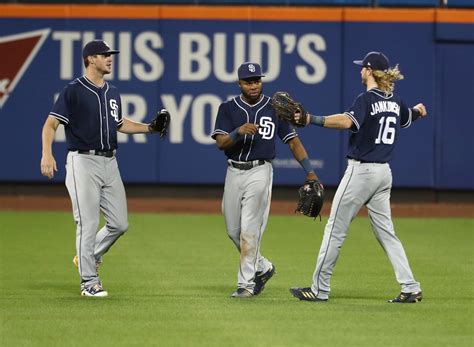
249	70
374	60
97	47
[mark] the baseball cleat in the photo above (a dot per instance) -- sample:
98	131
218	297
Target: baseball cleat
241	293
261	279
305	294
407	298
95	291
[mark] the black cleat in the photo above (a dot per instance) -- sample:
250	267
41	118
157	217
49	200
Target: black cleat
261	279
407	298
305	294
241	293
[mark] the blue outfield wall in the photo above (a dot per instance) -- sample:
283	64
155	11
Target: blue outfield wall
188	65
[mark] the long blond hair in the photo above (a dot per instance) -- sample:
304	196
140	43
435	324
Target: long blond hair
386	79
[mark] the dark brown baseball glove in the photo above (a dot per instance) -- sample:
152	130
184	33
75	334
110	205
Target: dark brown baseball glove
160	123
286	108
311	198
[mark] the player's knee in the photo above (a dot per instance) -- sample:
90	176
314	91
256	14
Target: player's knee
121	227
248	242
89	225
234	235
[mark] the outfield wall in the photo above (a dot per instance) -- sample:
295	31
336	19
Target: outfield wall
185	58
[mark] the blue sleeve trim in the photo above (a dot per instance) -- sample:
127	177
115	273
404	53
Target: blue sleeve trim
59	117
355	123
218	132
289	137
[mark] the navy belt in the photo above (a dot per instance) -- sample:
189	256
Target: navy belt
367	162
108	154
246	165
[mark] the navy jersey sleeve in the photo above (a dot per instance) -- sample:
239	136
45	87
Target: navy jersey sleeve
286	131
61	108
223	124
405	115
357	112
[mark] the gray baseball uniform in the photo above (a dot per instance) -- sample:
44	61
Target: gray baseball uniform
90	110
94	184
366	184
375	119
246	205
91	116
248	183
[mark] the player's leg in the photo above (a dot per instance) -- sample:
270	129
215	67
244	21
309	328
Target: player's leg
265	269
231	209
231	204
255	210
263	264
113	204
84	191
380	218
354	189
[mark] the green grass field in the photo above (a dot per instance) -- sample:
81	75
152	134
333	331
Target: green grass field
169	280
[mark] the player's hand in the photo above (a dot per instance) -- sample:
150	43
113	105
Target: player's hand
298	116
48	166
248	129
422	109
311	176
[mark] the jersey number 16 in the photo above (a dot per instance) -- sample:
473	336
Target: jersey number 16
386	131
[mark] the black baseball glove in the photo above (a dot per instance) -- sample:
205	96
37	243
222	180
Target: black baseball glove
285	108
311	198
160	123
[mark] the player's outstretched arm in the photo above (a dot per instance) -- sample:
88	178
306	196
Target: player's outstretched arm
335	121
48	163
131	127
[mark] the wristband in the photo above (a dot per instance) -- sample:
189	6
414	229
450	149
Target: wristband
234	135
306	165
317	120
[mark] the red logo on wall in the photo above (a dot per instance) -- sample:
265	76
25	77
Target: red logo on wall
17	52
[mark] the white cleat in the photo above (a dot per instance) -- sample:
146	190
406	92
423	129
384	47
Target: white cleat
95	291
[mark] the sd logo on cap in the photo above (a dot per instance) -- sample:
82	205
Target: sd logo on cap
249	70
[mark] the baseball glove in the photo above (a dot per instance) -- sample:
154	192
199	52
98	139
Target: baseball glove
311	199
160	123
285	108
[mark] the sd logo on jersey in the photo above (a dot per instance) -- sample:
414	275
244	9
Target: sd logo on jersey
266	128
17	52
114	109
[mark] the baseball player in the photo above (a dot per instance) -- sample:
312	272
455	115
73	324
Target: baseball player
374	119
90	110
246	129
